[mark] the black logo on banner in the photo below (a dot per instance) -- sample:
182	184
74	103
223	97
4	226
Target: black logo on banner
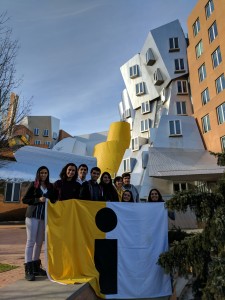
105	256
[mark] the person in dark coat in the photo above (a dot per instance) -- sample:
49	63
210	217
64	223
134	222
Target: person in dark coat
91	190
108	191
38	192
67	187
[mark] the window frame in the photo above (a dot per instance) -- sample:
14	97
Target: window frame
127	165
212	32
206	126
145	125
145	107
175	128
173	42
45	132
199	49
140	88
221	86
182	92
196	27
135	144
179	65
222	142
202	73
14	192
209	9
181	106
134	71
220	110
216	57
36	131
205	97
37	142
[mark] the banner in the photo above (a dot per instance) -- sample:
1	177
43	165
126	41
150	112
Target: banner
112	245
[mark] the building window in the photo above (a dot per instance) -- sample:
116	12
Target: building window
175	127
216	57
206	124
145	107
179	65
213	32
202	73
199	49
134	71
174	45
48	143
223	143
158	78
37	142
140	88
150	59
209	8
182	87
221	113
12	192
205	96
181	108
220	84
45	132
196	27
54	135
126	165
36	131
127	113
135	144
145	125
179	187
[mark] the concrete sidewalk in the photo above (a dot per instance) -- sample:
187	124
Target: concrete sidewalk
14	286
12	283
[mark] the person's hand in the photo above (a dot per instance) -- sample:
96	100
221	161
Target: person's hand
42	199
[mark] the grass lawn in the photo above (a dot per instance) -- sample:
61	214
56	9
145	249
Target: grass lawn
5	267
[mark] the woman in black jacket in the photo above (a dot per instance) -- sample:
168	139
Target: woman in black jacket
38	192
108	191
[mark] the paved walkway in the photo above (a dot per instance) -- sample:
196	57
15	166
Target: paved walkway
12	245
14	286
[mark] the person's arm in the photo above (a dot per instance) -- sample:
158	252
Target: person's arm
30	197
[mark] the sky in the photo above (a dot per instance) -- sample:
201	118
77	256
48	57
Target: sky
71	52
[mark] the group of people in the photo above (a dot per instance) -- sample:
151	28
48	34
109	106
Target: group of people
71	185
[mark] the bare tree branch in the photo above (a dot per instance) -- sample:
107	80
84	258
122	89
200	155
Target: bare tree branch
12	110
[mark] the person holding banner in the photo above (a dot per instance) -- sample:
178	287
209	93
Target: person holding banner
38	192
155	196
67	187
127	196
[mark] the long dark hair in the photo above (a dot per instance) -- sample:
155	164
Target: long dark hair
101	179
63	175
160	196
131	196
37	178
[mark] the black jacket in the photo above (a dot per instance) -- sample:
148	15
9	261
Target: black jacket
32	198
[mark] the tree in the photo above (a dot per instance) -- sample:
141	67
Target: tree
202	254
12	111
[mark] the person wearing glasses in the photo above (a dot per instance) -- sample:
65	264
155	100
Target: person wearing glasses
91	190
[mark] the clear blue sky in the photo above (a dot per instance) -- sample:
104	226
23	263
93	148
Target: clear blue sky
71	52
